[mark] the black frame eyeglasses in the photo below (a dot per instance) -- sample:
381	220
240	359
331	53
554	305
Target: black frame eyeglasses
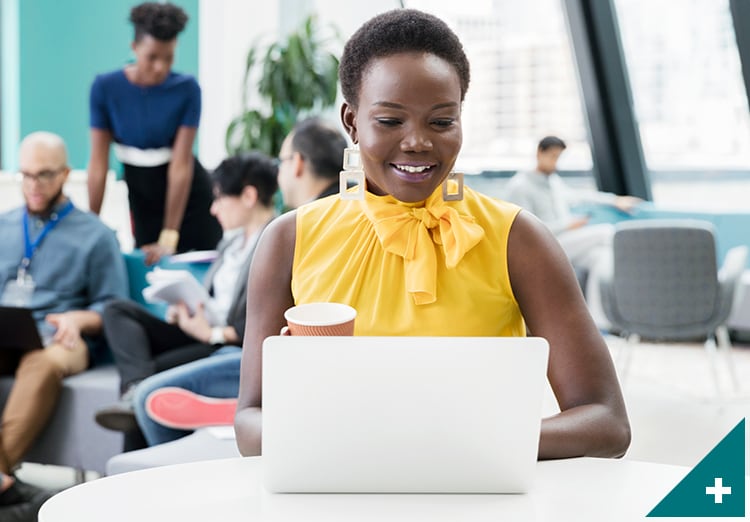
44	177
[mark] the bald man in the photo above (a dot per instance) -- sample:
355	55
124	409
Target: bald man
64	265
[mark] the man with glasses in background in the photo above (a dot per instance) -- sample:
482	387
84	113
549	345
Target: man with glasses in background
63	264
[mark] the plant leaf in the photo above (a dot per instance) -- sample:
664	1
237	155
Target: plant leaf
298	74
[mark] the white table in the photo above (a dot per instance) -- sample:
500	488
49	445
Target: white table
230	490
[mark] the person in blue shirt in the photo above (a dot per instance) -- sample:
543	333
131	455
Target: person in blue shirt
64	264
151	115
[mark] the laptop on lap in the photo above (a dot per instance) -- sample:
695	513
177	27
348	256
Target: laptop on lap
402	414
18	330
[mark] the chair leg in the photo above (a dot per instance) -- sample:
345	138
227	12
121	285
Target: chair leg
725	347
625	356
710	346
80	476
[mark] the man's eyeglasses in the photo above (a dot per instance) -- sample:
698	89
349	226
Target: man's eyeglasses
44	177
282	159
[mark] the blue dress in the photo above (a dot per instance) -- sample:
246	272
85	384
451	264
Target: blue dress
144	121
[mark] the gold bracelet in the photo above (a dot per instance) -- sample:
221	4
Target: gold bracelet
169	238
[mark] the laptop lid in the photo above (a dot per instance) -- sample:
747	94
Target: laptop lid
402	414
18	329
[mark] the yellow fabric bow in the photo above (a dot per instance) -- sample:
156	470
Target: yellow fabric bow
411	231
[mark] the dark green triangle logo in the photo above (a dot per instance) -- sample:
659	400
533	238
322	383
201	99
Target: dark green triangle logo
713	488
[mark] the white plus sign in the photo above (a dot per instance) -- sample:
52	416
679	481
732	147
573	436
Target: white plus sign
718	490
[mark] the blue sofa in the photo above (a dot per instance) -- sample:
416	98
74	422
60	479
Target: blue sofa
731	227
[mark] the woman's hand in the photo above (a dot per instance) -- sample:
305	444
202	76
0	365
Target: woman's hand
195	325
155	251
171	314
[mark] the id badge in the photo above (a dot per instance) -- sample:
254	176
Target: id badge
18	292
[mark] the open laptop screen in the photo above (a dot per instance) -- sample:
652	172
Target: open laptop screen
18	330
402	414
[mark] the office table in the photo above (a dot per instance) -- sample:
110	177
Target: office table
230	490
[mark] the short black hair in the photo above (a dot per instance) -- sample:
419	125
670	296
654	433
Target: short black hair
247	168
549	142
321	145
162	21
399	31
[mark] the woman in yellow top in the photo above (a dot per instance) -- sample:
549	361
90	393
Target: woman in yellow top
414	264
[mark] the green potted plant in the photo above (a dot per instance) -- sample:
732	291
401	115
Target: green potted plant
299	75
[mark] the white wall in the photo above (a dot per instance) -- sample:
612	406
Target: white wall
115	211
227	30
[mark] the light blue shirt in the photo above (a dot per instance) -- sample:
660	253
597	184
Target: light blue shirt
77	266
550	199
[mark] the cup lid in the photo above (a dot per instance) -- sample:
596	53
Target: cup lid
320	314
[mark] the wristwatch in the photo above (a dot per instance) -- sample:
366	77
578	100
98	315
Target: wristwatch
217	335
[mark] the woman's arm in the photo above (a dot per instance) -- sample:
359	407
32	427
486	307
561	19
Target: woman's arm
592	420
98	167
269	295
196	324
179	179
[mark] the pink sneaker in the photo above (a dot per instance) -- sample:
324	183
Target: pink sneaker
184	410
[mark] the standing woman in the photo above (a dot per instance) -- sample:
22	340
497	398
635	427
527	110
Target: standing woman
151	114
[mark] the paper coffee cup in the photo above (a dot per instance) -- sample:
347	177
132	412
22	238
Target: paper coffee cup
321	319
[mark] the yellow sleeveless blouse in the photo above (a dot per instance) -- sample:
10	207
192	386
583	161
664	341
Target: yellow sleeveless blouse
428	268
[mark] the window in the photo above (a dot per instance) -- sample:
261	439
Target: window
686	81
523	84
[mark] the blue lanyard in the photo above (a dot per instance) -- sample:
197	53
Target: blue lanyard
32	246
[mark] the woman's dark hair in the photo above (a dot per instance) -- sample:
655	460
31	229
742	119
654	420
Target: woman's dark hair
321	145
551	141
162	21
399	31
247	168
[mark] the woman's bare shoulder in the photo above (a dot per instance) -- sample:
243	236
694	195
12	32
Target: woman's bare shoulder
282	230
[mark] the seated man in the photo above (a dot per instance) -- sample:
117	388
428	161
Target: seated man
143	344
544	193
64	264
310	162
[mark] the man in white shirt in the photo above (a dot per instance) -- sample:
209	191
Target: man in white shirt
544	193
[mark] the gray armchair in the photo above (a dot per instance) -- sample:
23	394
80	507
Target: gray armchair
662	283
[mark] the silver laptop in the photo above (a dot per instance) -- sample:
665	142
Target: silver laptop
402	414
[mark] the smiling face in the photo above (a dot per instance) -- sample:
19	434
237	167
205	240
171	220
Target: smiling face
153	59
407	124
